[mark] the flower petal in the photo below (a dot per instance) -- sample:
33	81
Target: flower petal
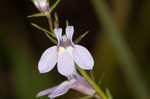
46	91
61	89
83	86
65	64
69	32
48	60
58	32
82	57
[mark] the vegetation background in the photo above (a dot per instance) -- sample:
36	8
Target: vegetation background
21	46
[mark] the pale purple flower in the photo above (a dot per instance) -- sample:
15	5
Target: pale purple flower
77	83
65	54
42	5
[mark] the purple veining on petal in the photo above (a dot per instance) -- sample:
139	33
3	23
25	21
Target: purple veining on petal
65	54
65	43
82	57
69	34
48	60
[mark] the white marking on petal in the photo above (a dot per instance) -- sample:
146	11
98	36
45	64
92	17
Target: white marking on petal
48	60
65	64
58	32
61	50
82	57
69	32
70	49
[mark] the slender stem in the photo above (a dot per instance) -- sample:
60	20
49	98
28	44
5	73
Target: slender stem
50	23
97	88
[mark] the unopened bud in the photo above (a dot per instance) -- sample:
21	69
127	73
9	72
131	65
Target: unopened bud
42	5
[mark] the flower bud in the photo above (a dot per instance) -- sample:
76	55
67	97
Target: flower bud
42	5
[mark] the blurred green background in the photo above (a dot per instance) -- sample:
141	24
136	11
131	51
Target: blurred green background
21	46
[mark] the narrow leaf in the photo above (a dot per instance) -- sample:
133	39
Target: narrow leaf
56	22
92	75
36	15
101	79
54	5
67	23
53	40
109	96
44	30
46	33
81	37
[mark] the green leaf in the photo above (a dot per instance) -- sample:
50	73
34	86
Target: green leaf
47	33
109	96
81	37
54	5
36	15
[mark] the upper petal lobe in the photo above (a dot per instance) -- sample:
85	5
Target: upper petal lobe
58	33
69	32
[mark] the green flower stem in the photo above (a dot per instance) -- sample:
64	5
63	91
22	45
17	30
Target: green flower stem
50	23
49	16
97	88
124	55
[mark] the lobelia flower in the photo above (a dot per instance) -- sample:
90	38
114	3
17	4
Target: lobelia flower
65	54
42	5
76	82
